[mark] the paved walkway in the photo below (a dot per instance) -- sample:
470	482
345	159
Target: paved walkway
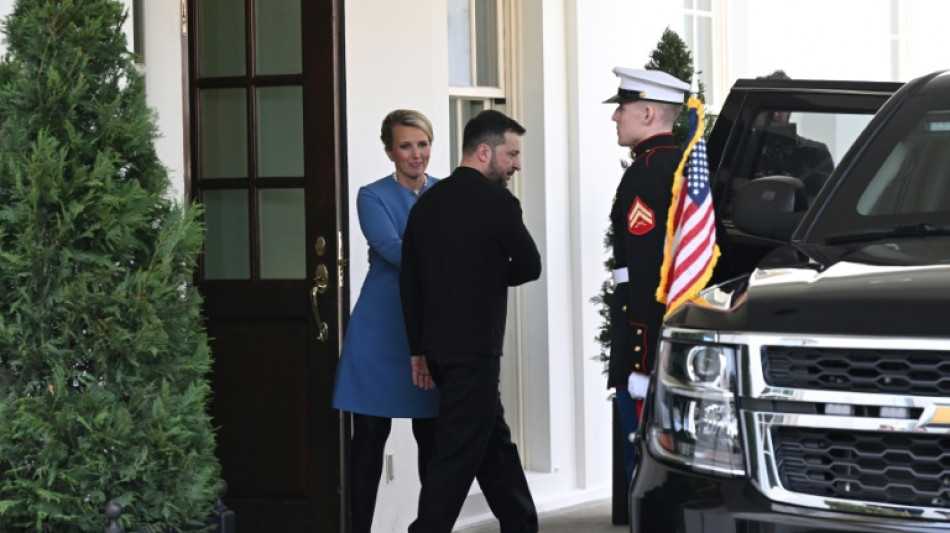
587	518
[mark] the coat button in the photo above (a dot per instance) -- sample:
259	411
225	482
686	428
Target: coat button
639	332
636	366
624	309
637	349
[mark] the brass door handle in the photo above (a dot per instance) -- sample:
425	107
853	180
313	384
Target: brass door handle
321	282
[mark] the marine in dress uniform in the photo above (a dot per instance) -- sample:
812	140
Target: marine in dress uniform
648	102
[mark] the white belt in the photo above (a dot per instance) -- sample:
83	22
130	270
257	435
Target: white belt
621	276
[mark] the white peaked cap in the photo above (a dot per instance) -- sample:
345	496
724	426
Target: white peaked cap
643	84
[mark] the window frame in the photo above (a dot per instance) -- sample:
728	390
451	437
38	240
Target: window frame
476	91
489	97
715	86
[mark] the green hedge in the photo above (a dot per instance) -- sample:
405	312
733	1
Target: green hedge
103	357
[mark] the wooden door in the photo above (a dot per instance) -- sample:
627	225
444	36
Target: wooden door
266	121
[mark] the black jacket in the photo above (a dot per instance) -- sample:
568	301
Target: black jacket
638	217
464	245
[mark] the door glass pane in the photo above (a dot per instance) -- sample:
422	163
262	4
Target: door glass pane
227	242
223	133
283	241
279	47
486	42
460	49
280	131
221	47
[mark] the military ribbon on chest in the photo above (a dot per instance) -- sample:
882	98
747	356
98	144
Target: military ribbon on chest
640	218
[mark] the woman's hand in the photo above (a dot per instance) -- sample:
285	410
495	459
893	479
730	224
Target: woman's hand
420	373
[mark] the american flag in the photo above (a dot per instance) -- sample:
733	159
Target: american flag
691	252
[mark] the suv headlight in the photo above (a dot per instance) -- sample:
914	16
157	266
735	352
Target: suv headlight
695	421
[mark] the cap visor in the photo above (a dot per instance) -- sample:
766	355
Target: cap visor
613	99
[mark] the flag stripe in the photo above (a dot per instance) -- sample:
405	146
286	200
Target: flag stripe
697	250
690	252
692	269
697	245
691	265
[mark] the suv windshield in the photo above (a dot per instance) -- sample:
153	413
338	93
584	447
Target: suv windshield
901	184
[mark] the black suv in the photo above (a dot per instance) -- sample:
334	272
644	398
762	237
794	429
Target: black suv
810	390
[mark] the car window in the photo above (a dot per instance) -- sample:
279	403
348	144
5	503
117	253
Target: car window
915	176
803	145
900	180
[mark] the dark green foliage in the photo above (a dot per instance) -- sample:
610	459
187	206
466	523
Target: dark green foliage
672	56
103	358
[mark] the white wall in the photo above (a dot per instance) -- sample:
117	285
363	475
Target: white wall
841	39
924	25
163	77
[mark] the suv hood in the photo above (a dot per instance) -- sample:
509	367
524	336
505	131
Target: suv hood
895	285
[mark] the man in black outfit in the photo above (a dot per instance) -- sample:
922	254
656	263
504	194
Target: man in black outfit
464	245
782	152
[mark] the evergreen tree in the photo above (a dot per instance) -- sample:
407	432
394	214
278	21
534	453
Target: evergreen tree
103	356
672	56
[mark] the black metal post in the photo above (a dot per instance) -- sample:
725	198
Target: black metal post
226	517
620	514
113	512
222	519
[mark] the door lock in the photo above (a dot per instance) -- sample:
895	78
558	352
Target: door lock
321	281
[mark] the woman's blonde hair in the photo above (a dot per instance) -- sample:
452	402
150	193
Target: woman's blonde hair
404	117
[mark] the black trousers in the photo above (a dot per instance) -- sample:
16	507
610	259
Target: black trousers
366	462
472	442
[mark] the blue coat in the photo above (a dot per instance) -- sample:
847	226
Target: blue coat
374	376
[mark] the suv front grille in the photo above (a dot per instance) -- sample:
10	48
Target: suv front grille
887	467
849	424
906	372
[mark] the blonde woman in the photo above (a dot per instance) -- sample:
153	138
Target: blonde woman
374	379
